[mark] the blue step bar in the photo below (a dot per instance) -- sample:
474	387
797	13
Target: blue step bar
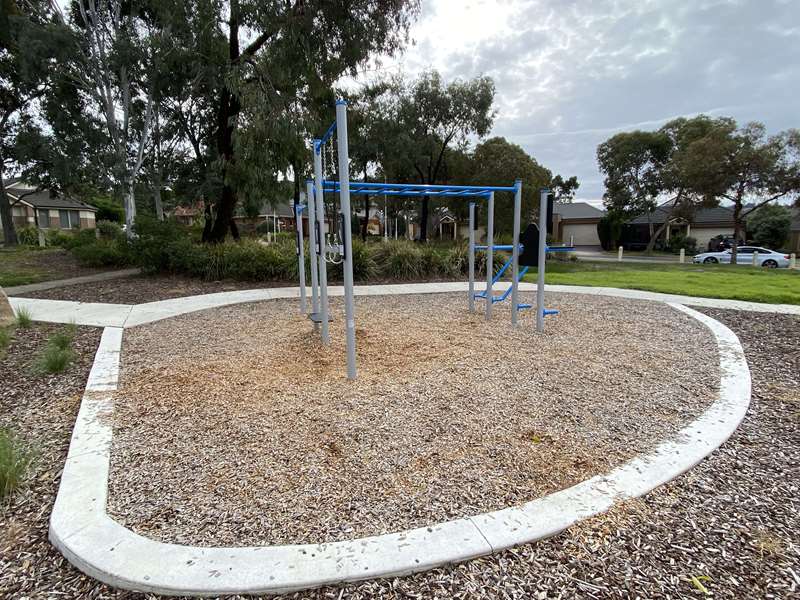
522	272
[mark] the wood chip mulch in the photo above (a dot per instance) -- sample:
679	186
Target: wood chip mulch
730	523
236	427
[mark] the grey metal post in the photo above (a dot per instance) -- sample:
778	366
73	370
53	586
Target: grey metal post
471	257
489	254
323	271
312	245
301	256
515	251
540	267
344	206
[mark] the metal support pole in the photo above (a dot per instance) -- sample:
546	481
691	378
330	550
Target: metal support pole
489	254
471	257
323	271
312	245
344	205
301	256
515	251
542	256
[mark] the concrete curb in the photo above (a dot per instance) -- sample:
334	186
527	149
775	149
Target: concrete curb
82	530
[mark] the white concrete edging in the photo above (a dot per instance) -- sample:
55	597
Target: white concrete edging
82	530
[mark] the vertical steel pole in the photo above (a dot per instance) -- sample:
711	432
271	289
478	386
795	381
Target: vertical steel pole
301	256
312	248
344	206
471	257
542	255
489	255
323	271
515	251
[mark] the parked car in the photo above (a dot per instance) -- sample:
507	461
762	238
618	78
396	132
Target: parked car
720	243
744	256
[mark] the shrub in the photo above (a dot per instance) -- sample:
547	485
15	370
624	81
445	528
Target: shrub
678	241
82	237
110	230
399	260
103	253
24	319
15	459
770	226
56	237
28	236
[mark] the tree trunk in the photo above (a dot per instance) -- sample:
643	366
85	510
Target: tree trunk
365	222
9	231
157	200
423	220
737	229
130	210
229	107
655	236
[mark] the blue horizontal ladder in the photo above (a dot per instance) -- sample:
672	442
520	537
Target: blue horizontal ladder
522	272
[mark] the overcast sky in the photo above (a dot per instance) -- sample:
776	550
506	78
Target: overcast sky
569	74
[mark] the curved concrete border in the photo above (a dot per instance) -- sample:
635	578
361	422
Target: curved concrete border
82	530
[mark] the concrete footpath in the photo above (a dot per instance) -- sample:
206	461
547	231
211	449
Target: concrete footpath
129	315
57	283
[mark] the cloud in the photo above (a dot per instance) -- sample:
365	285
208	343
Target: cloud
571	73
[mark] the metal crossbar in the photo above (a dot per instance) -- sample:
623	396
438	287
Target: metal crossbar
413	189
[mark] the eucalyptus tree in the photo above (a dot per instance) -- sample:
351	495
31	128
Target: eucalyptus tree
32	45
744	166
497	161
120	66
256	62
426	119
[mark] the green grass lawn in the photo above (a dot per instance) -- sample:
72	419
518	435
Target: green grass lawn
734	282
22	265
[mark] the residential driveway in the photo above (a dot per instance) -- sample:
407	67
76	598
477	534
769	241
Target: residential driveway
595	253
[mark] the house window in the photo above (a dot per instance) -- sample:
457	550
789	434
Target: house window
69	219
44	218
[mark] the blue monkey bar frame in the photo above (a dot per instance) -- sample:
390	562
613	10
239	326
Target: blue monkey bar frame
322	251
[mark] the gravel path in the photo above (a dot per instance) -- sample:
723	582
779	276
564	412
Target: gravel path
734	518
451	416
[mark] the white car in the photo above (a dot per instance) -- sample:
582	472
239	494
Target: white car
766	258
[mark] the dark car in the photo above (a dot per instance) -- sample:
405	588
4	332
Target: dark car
721	243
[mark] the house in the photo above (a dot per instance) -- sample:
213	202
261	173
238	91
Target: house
575	223
706	224
45	209
187	215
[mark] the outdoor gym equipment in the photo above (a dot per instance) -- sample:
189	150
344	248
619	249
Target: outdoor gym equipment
335	247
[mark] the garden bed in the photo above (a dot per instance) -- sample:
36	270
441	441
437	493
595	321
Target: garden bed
233	426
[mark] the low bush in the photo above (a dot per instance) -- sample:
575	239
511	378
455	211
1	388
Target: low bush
82	237
109	230
56	237
15	459
399	260
28	236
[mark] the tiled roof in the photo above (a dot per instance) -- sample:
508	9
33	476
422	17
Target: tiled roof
702	216
43	199
577	210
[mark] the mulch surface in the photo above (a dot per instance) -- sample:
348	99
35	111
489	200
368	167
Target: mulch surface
151	288
451	415
730	523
